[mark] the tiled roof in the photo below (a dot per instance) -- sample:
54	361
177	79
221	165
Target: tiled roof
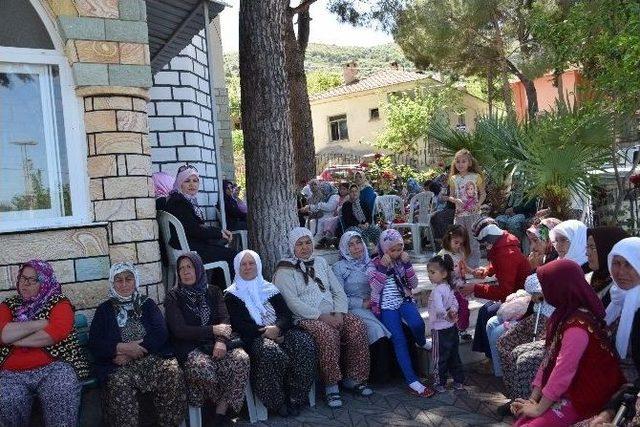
382	78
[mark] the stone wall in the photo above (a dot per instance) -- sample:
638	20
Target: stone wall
106	42
180	125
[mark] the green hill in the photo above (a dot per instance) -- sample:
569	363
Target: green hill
323	57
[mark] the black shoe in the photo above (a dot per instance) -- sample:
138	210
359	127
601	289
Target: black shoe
283	410
293	409
221	420
504	409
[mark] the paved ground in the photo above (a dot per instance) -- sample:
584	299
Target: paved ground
393	406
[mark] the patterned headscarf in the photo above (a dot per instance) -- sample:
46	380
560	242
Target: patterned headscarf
125	305
255	292
49	287
194	296
182	175
542	229
327	191
344	248
389	238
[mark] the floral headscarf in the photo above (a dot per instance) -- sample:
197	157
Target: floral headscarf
184	172
195	296
49	287
125	305
344	248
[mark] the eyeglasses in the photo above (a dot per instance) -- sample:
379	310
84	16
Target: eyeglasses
559	240
31	281
187	166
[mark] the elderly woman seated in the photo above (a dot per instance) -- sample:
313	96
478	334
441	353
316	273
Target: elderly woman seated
129	341
208	241
320	306
216	370
39	354
283	357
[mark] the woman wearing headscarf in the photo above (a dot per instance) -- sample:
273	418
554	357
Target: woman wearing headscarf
600	241
236	217
216	369
580	371
320	306
357	217
39	352
283	357
569	238
367	193
542	250
208	241
162	184
323	209
352	271
129	342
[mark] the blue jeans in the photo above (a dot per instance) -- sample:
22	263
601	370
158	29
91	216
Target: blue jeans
495	329
392	320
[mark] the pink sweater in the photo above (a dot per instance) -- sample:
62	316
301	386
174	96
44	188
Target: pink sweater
441	300
574	343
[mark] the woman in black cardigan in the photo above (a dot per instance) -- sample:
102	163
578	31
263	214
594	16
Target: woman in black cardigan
208	241
216	369
358	217
129	342
283	357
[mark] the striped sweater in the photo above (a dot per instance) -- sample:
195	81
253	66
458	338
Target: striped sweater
378	278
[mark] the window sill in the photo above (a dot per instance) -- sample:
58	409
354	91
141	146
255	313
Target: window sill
41	228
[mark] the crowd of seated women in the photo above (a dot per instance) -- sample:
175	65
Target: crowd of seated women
572	356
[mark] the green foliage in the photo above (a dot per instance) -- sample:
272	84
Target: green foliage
239	163
320	81
237	137
233	86
409	116
551	156
383	173
603	38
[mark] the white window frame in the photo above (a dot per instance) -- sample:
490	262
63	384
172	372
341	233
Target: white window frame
76	147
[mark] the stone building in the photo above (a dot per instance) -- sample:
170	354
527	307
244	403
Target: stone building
96	95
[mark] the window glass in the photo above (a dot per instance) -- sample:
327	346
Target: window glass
338	127
374	114
33	160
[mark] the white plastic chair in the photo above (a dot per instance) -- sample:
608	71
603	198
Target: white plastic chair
244	239
425	203
390	206
255	408
166	220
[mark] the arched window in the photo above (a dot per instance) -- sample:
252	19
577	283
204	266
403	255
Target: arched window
40	126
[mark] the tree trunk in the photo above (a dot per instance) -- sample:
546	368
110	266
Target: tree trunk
267	128
304	165
506	91
532	95
490	89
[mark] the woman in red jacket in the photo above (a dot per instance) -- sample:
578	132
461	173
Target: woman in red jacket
507	264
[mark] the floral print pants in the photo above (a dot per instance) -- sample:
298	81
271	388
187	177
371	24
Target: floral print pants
152	374
56	387
347	346
217	379
283	370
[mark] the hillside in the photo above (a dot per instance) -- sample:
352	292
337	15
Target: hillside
331	58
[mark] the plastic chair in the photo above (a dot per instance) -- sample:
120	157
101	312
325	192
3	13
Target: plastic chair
257	411
244	239
390	206
424	202
166	221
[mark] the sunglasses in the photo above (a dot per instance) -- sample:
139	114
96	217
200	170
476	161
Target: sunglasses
187	166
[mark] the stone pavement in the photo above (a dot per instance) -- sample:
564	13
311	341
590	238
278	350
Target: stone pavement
391	405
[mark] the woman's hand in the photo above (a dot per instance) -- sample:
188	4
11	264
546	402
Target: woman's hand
131	349
479	273
602	419
227	235
121	359
386	260
452	316
222	330
219	350
404	257
518	404
366	303
535	259
467	290
531	410
272	332
339	319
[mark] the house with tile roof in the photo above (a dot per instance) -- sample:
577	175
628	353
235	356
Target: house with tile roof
347	119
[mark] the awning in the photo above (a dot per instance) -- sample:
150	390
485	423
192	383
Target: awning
172	25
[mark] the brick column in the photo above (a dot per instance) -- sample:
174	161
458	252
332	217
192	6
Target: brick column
119	168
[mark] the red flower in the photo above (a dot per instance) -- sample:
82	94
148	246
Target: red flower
635	179
377	156
387	175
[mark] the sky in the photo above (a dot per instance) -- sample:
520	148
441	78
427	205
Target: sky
325	28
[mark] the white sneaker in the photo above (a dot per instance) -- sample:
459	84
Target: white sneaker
428	344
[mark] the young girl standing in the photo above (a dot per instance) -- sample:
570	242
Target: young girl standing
443	315
455	243
392	281
468	193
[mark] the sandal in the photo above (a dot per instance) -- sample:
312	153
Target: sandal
334	400
362	390
428	392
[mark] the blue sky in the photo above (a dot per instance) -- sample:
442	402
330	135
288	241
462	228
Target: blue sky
324	29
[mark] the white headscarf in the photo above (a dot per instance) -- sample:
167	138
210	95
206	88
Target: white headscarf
255	292
125	304
576	232
624	303
532	286
294	236
344	248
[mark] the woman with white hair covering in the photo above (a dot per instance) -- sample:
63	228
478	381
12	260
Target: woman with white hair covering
569	238
320	306
283	357
129	342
